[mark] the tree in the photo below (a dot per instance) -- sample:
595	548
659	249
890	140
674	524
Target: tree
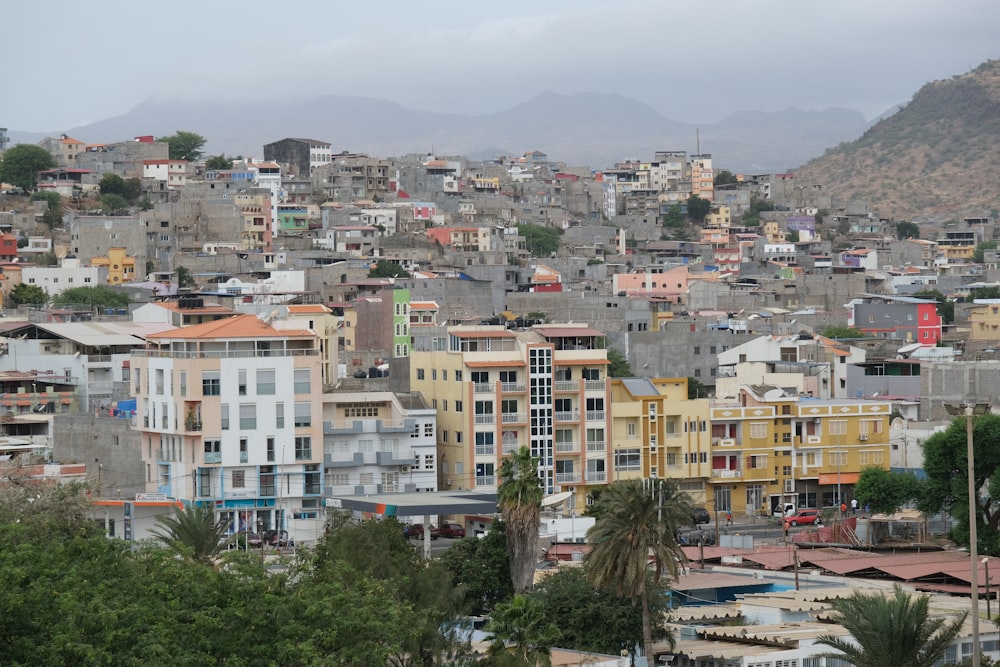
193	532
111	184
218	162
945	489
945	308
985	293
386	269
54	210
519	499
979	254
725	177
639	522
889	631
132	190
698	208
521	634
907	230
20	165
24	293
184	277
618	366
98	295
113	203
480	566
886	491
185	145
674	217
540	241
841	332
696	389
792	236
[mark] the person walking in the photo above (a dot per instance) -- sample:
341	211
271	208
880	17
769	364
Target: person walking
843	509
786	526
729	518
854	506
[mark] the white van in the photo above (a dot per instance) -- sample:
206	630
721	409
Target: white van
784	510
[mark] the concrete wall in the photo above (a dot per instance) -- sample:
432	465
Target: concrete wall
957	382
104	444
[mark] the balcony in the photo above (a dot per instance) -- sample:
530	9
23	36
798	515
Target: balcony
244	457
596	445
213	457
513	418
192	425
485	450
567	478
394	458
594	476
725	473
594	385
486	480
595	415
509	448
572	416
344	426
482	388
343	459
512	387
567	385
485	419
567	447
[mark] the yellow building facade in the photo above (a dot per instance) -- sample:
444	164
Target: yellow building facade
121	267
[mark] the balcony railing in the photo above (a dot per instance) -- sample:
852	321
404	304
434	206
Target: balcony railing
485	450
567	447
192	424
486	480
572	416
567	385
223	354
512	387
596	445
726	473
513	418
509	448
482	387
593	476
244	457
213	457
485	419
567	478
595	415
593	385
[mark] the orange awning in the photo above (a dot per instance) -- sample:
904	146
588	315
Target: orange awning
844	478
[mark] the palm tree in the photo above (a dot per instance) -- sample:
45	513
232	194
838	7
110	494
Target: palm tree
193	532
638	522
519	498
521	635
892	631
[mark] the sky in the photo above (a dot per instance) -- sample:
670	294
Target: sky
69	63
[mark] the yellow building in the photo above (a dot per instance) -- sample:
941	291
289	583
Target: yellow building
497	389
656	431
769	448
121	267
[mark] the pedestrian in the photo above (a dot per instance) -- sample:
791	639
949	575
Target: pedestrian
729	518
843	509
854	506
786	526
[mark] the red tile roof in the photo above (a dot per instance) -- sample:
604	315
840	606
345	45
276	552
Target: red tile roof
238	326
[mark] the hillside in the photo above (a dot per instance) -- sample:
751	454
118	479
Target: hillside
935	159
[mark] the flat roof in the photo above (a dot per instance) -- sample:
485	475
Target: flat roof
415	504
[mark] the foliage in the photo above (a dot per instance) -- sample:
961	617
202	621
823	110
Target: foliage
576	608
639	522
98	295
725	177
480	566
985	293
886	491
907	230
184	277
540	241
54	212
521	634
890	630
841	332
618	366
111	184
218	162
594	507
698	208
696	389
43	510
593	261
978	255
132	190
184	145
20	165
674	218
193	532
751	217
945	308
519	499
386	269
113	203
24	293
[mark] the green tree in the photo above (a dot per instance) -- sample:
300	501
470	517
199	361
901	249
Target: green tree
519	499
218	162
541	241
98	295
184	145
386	269
886	491
751	217
20	165
890	630
639	521
841	332
24	293
132	190
698	208
480	566
978	255
945	489
184	277
907	230
618	366
193	532
521	634
985	293
111	184
725	177
792	236
674	218
945	308
113	203
696	389
54	210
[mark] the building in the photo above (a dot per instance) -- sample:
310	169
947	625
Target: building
903	317
228	414
302	155
118	264
496	390
56	279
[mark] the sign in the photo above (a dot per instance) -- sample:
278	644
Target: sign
140	497
127	532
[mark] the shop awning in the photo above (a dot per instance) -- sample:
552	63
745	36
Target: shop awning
832	478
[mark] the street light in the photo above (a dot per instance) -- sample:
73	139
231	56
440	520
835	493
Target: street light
970	410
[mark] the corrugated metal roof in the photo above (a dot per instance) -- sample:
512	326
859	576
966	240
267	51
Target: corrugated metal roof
640	387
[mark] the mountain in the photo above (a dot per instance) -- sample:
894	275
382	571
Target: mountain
582	129
934	159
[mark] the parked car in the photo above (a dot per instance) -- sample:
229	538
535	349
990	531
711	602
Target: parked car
244	539
696	537
278	538
805	518
784	510
417	531
700	515
451	530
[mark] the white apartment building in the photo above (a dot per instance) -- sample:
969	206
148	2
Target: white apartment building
69	274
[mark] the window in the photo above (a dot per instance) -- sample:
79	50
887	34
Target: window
265	382
458	376
279	415
239	479
303	414
266	481
458	406
758	430
210	383
242	382
480	377
508	376
270	449
428	430
757	461
183	381
248	416
303	448
212	447
311	479
838	427
871	457
838	458
420	373
627	459
225	416
630	430
302	381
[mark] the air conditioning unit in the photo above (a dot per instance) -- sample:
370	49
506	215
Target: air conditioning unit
404	468
863	437
789	486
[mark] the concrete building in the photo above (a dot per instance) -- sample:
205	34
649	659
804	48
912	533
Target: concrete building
907	318
229	416
302	155
69	274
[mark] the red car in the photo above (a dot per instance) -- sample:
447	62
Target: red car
451	530
805	518
416	531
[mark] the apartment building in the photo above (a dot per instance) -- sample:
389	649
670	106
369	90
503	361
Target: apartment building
770	448
228	414
496	389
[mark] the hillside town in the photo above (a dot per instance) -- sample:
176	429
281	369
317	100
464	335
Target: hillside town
314	329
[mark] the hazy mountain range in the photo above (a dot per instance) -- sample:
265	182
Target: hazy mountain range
583	129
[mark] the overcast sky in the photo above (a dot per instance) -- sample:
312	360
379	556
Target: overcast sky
68	63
